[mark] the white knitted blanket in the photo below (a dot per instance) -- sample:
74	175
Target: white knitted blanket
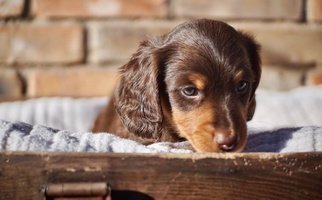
283	122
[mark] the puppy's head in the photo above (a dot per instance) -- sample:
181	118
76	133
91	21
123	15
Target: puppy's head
204	75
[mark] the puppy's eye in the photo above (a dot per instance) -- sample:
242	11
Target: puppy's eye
190	91
242	87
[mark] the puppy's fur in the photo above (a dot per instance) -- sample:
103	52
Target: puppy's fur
197	83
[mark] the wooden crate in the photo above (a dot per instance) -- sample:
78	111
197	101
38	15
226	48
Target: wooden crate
26	175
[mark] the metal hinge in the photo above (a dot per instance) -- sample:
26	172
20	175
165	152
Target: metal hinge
101	190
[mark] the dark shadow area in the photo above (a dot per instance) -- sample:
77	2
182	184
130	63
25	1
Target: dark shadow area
115	195
129	195
269	141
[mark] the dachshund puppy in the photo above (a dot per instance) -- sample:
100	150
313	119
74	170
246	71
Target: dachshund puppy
196	83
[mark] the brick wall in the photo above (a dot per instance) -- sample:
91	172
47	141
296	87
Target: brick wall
73	47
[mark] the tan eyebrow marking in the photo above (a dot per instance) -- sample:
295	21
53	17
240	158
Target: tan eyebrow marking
239	76
198	80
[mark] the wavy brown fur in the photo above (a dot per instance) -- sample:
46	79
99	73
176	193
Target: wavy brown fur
197	83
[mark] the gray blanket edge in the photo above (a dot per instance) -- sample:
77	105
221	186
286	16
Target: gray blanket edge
20	136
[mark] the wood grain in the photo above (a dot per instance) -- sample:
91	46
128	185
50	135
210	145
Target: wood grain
24	175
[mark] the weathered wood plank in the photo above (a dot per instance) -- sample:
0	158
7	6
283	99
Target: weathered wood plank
24	175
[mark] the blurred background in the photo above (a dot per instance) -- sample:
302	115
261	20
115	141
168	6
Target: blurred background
74	47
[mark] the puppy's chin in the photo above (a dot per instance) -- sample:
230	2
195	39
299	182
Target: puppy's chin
204	141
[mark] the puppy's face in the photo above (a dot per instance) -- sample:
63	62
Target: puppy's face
210	109
210	82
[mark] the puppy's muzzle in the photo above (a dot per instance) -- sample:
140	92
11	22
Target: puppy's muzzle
226	139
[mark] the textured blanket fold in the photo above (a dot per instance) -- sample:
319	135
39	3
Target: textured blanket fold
72	120
25	137
20	136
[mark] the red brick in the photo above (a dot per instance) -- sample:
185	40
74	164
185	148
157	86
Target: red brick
242	9
74	82
118	40
287	43
281	78
32	43
282	43
5	44
314	10
11	8
10	84
99	8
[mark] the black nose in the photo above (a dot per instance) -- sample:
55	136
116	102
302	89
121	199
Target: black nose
226	139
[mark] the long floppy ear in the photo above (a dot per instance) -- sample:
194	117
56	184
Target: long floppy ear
253	50
136	98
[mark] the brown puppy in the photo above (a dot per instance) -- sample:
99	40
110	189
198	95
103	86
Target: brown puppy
197	83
